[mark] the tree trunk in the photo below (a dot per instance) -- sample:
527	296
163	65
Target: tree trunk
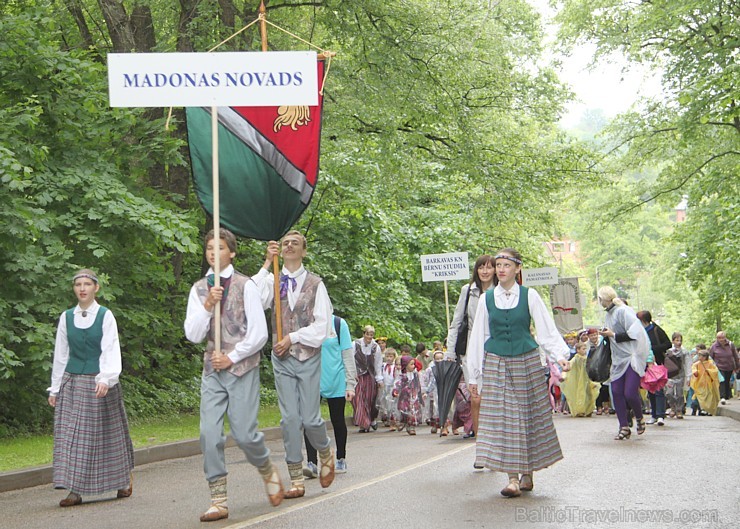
119	25
75	9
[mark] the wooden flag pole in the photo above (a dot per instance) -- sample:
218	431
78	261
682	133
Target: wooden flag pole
447	305
275	260
216	226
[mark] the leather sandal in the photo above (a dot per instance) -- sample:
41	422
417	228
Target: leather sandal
295	491
640	426
624	433
72	499
326	471
274	487
525	483
512	490
215	512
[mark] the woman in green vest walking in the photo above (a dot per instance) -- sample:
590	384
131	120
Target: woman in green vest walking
516	434
93	453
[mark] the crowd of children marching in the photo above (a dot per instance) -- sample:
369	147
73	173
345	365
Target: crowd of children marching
687	379
407	397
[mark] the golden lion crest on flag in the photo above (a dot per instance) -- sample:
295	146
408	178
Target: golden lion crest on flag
291	116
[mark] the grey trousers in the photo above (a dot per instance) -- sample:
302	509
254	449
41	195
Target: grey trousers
298	389
222	393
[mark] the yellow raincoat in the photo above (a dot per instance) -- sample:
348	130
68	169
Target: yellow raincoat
579	390
705	383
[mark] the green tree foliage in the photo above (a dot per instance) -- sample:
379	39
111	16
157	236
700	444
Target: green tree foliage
70	198
692	135
439	135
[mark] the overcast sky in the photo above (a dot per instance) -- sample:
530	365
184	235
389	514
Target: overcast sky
607	87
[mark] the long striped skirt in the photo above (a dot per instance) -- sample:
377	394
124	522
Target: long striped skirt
516	434
93	453
364	405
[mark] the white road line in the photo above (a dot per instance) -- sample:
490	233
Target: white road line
332	495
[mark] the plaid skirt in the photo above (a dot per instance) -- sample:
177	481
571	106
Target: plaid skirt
515	431
93	453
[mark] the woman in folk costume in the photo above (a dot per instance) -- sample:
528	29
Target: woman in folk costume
369	362
516	434
93	453
705	381
580	390
409	393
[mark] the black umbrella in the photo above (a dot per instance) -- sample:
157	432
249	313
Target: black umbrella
447	374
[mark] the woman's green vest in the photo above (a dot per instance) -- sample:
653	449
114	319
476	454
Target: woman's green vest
84	345
509	328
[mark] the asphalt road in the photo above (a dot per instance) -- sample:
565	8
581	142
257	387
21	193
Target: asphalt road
685	474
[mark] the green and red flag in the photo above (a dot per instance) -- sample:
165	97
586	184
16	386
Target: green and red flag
268	164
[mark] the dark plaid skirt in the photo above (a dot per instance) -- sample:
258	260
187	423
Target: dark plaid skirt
516	434
364	403
92	447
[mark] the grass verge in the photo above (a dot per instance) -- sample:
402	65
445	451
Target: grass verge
33	451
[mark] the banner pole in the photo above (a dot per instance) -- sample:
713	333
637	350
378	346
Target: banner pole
216	225
275	260
447	305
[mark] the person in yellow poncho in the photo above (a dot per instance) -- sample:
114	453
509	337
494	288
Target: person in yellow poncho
579	390
705	381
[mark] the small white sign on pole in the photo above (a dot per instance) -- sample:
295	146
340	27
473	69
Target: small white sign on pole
445	267
213	79
540	276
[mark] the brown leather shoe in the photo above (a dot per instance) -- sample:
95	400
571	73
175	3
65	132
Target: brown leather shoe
71	499
125	493
326	471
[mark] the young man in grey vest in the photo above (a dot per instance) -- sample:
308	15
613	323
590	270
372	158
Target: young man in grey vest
306	312
230	382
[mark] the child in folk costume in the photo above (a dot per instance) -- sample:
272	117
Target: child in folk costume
296	358
705	381
431	403
580	390
553	387
230	382
463	416
387	402
93	453
680	358
409	393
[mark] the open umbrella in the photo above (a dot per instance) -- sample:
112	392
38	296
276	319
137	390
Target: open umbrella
447	374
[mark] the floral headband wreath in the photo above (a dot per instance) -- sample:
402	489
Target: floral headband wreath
85	275
509	257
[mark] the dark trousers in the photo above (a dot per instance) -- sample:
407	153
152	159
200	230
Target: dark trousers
336	414
725	389
603	396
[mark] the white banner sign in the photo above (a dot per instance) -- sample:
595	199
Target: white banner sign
539	276
445	267
213	79
566	300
